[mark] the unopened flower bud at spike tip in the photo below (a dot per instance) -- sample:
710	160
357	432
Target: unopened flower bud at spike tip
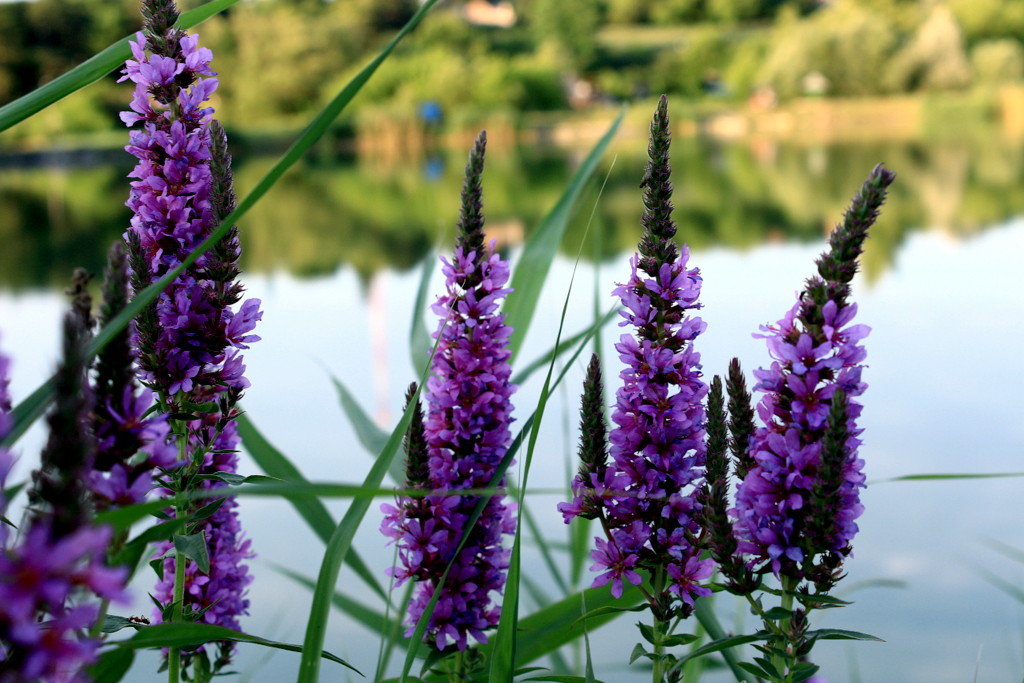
415	443
593	449
471	217
741	419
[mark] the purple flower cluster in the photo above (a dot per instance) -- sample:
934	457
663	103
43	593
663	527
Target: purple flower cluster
809	366
220	595
196	350
40	575
467	435
657	444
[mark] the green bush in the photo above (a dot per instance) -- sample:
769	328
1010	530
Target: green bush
998	61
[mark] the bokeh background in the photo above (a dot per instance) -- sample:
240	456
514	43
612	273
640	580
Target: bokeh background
780	109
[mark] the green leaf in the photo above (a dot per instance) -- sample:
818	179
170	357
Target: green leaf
777	613
610	610
113	624
719	645
646	631
637	653
274	463
419	337
757	671
802	671
841	634
92	69
31	408
550	628
557	678
185	635
111	666
193	547
539	251
807	599
679	639
707	618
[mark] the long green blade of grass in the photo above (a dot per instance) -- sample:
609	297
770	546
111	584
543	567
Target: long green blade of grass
540	249
92	70
31	408
184	634
315	513
950	476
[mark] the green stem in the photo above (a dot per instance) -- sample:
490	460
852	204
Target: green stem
178	611
658	674
783	662
116	546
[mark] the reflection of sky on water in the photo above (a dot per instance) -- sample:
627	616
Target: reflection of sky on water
944	375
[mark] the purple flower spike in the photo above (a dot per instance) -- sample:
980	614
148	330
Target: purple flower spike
800	497
657	443
189	343
466	434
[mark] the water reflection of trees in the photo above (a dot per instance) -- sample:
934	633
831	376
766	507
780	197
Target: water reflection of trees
369	216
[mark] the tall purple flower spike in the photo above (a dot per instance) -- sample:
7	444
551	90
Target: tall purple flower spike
466	435
657	443
43	570
816	352
189	344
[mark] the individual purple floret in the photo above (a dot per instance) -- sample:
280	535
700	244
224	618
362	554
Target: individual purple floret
657	443
467	435
816	353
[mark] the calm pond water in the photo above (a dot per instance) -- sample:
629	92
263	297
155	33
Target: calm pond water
333	253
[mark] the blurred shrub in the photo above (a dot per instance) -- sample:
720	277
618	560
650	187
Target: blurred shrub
690	69
848	44
986	19
998	61
934	59
570	24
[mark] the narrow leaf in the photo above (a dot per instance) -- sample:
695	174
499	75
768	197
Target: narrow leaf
185	634
193	546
